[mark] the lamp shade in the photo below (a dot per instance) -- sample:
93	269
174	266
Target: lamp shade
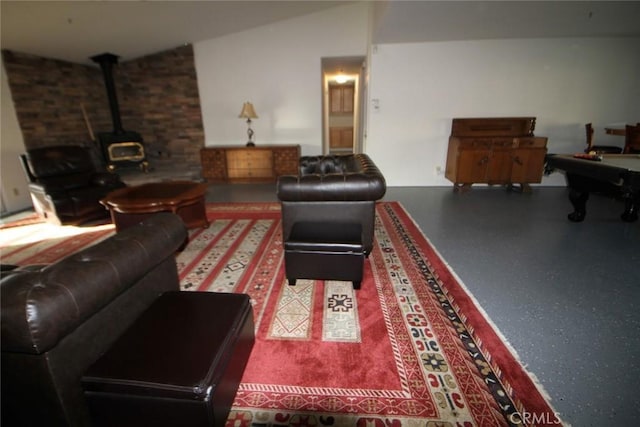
248	112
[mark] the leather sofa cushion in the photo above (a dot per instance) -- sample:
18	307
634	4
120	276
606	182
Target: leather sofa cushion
38	308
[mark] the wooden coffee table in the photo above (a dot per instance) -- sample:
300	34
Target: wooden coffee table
128	206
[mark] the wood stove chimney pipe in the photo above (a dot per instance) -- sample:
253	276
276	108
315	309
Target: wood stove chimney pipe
106	61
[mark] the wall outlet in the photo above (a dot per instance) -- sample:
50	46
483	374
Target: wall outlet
439	170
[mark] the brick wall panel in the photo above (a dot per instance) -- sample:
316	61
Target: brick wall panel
157	95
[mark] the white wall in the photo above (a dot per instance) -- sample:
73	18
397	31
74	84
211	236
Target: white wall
278	68
565	83
13	184
420	87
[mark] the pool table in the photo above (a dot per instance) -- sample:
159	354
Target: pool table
616	175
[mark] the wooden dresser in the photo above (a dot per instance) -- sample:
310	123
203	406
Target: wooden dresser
501	150
262	163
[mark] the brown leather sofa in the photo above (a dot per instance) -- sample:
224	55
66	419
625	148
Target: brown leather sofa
58	320
66	185
332	189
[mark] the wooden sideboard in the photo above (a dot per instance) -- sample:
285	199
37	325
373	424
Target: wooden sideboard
500	150
264	163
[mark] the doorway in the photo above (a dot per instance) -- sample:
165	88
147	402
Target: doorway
342	101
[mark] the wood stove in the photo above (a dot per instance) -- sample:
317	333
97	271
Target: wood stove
119	148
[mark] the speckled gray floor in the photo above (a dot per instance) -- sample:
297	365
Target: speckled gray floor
566	296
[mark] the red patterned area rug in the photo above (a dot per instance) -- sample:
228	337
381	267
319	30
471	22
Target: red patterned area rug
27	219
410	348
44	243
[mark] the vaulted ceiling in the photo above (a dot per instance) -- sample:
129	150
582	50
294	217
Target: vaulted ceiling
417	21
75	30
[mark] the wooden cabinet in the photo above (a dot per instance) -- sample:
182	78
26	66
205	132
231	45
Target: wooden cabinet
249	164
504	159
341	138
341	99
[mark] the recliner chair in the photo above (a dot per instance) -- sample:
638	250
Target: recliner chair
66	185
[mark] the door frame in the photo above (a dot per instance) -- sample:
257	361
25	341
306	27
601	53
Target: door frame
354	69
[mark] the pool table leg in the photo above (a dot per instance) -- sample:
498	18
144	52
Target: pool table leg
579	201
631	205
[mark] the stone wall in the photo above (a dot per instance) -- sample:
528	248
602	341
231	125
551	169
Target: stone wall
157	94
49	96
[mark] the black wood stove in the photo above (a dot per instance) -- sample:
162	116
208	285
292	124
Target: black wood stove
119	148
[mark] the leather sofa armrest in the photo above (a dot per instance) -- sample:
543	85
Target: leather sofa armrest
39	308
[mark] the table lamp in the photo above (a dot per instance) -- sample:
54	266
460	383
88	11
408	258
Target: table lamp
248	112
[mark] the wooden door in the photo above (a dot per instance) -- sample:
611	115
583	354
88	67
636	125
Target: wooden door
528	165
472	165
347	99
341	99
340	138
214	164
285	160
335	100
499	171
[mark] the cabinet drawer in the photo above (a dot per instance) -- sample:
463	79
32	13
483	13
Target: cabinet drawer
249	164
532	142
503	143
249	173
476	143
249	159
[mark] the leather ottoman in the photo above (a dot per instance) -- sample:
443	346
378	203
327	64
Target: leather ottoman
179	364
326	251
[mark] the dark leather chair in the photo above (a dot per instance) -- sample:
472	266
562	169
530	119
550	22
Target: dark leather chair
598	149
66	185
328	216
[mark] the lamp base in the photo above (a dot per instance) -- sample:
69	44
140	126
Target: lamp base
250	134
